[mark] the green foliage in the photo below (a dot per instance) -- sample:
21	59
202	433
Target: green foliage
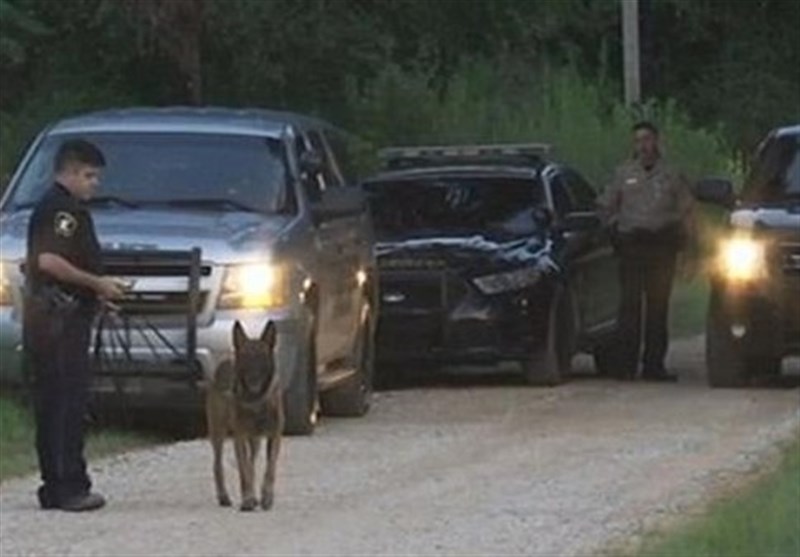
17	433
485	102
451	70
762	520
17	31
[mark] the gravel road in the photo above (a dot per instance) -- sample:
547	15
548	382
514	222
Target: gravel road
473	466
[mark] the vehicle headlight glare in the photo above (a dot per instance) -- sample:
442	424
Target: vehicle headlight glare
743	259
5	284
255	285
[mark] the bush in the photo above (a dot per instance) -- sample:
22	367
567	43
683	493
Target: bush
486	102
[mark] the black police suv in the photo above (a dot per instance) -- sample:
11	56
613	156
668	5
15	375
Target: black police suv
754	311
489	254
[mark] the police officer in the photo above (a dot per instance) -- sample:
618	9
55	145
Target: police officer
649	209
64	288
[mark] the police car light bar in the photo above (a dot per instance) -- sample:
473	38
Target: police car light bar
465	151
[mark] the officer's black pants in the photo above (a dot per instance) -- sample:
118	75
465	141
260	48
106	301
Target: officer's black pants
58	354
647	270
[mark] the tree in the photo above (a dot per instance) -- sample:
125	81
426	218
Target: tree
175	26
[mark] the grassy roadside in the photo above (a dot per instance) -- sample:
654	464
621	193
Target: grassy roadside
688	307
17	454
762	520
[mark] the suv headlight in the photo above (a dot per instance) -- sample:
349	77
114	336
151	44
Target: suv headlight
5	284
256	286
743	259
507	282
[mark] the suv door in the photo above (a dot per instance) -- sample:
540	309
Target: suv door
339	241
591	256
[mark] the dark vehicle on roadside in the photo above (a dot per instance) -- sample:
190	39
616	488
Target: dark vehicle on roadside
754	310
489	254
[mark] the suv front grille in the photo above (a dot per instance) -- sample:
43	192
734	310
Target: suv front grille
159	303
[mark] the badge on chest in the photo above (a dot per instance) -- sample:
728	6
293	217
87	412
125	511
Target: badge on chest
65	224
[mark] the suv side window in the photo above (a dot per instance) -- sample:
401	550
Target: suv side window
313	185
581	193
343	157
330	173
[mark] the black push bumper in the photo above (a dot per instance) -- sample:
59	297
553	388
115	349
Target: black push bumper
440	318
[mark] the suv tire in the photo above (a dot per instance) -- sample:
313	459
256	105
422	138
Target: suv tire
300	399
352	398
725	362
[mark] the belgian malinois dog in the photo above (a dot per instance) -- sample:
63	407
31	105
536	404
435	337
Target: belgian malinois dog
246	400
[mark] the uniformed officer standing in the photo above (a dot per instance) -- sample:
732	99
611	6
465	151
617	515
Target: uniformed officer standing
64	288
650	211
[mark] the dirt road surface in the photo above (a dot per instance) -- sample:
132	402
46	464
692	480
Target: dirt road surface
473	466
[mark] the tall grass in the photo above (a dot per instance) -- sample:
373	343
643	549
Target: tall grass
763	520
484	102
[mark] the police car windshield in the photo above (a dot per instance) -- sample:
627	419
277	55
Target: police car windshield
239	173
496	206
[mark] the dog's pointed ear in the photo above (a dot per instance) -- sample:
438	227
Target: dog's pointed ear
269	334
239	336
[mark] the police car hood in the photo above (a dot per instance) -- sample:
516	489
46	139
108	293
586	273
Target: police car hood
223	236
473	253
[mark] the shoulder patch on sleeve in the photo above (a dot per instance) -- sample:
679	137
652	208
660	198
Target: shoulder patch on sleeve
65	224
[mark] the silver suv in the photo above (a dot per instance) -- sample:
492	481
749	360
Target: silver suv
213	216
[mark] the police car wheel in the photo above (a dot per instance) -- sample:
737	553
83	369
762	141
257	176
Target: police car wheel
604	358
300	400
552	363
726	364
352	398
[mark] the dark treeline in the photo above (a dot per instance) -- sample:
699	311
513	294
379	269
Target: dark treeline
734	64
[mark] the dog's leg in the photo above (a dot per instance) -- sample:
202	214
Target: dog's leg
245	472
223	498
217	431
268	487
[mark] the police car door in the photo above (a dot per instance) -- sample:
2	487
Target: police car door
590	255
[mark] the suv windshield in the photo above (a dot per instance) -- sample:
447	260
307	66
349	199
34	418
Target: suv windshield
208	171
496	206
776	172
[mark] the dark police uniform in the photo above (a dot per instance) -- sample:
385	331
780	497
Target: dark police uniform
57	331
650	210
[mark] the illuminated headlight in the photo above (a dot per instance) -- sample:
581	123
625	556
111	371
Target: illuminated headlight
743	259
507	282
256	285
5	284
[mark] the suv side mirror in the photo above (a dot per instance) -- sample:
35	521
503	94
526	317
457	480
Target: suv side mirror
717	191
310	163
336	203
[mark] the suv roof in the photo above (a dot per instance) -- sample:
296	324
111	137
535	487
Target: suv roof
176	119
788	130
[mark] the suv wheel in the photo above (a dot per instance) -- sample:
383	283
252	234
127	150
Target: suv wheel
352	398
300	399
551	365
725	362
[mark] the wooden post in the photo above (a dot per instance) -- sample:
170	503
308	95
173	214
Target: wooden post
630	41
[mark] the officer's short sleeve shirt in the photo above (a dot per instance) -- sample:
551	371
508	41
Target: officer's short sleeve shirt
62	225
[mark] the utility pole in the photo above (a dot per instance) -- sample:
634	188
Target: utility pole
630	42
